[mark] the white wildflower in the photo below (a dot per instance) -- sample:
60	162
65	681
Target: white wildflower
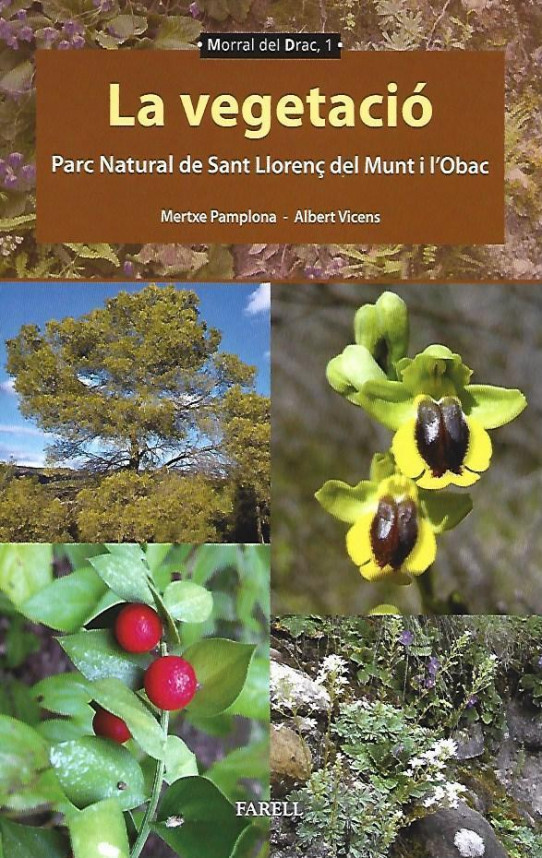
469	844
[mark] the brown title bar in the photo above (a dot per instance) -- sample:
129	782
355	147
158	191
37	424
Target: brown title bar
160	146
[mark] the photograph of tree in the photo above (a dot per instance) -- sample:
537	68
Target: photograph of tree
135	419
134	702
405	452
407	737
364	25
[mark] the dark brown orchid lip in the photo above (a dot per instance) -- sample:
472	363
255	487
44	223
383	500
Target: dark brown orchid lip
442	435
394	531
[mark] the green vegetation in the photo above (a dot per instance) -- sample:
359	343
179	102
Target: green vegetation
169	436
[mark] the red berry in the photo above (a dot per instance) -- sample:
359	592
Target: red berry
109	726
170	682
138	628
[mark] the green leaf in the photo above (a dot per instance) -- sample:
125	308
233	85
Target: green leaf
349	371
25	779
97	655
65	604
16	700
127	26
95	251
18	80
253	701
221	668
251	761
445	509
180	761
247	841
209	826
92	769
492	406
24	841
126	576
99	830
389	402
55	730
24	570
347	503
176	33
65	694
116	698
79	554
188	602
8	224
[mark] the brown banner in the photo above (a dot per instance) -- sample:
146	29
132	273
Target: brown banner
163	146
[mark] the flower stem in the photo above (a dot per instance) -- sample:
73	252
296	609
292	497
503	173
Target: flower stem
150	812
425	587
155	796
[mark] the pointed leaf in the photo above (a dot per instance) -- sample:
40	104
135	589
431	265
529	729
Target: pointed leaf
99	830
97	654
66	694
221	668
25	570
445	509
208	826
492	406
116	698
66	603
347	503
180	760
253	701
91	769
26	841
188	601
126	576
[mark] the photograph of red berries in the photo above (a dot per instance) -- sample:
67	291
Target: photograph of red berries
134	700
394	496
134	412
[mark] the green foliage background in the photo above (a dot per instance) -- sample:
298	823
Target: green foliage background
511	25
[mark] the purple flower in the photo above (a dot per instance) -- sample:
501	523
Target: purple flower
313	271
28	173
15	159
540	661
64	45
128	268
472	701
25	34
430	682
433	666
49	34
21	14
194	10
78	42
72	28
103	5
406	637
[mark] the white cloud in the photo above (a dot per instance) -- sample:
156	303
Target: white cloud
8	387
13	429
259	301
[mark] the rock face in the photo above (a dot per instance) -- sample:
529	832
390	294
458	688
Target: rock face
470	743
524	725
290	758
293	690
457	833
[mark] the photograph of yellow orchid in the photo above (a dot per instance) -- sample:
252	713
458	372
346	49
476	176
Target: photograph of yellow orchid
439	376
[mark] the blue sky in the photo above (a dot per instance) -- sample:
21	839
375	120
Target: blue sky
240	311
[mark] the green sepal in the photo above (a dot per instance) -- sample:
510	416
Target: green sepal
445	510
347	503
349	371
436	371
389	402
492	406
383	329
382	467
